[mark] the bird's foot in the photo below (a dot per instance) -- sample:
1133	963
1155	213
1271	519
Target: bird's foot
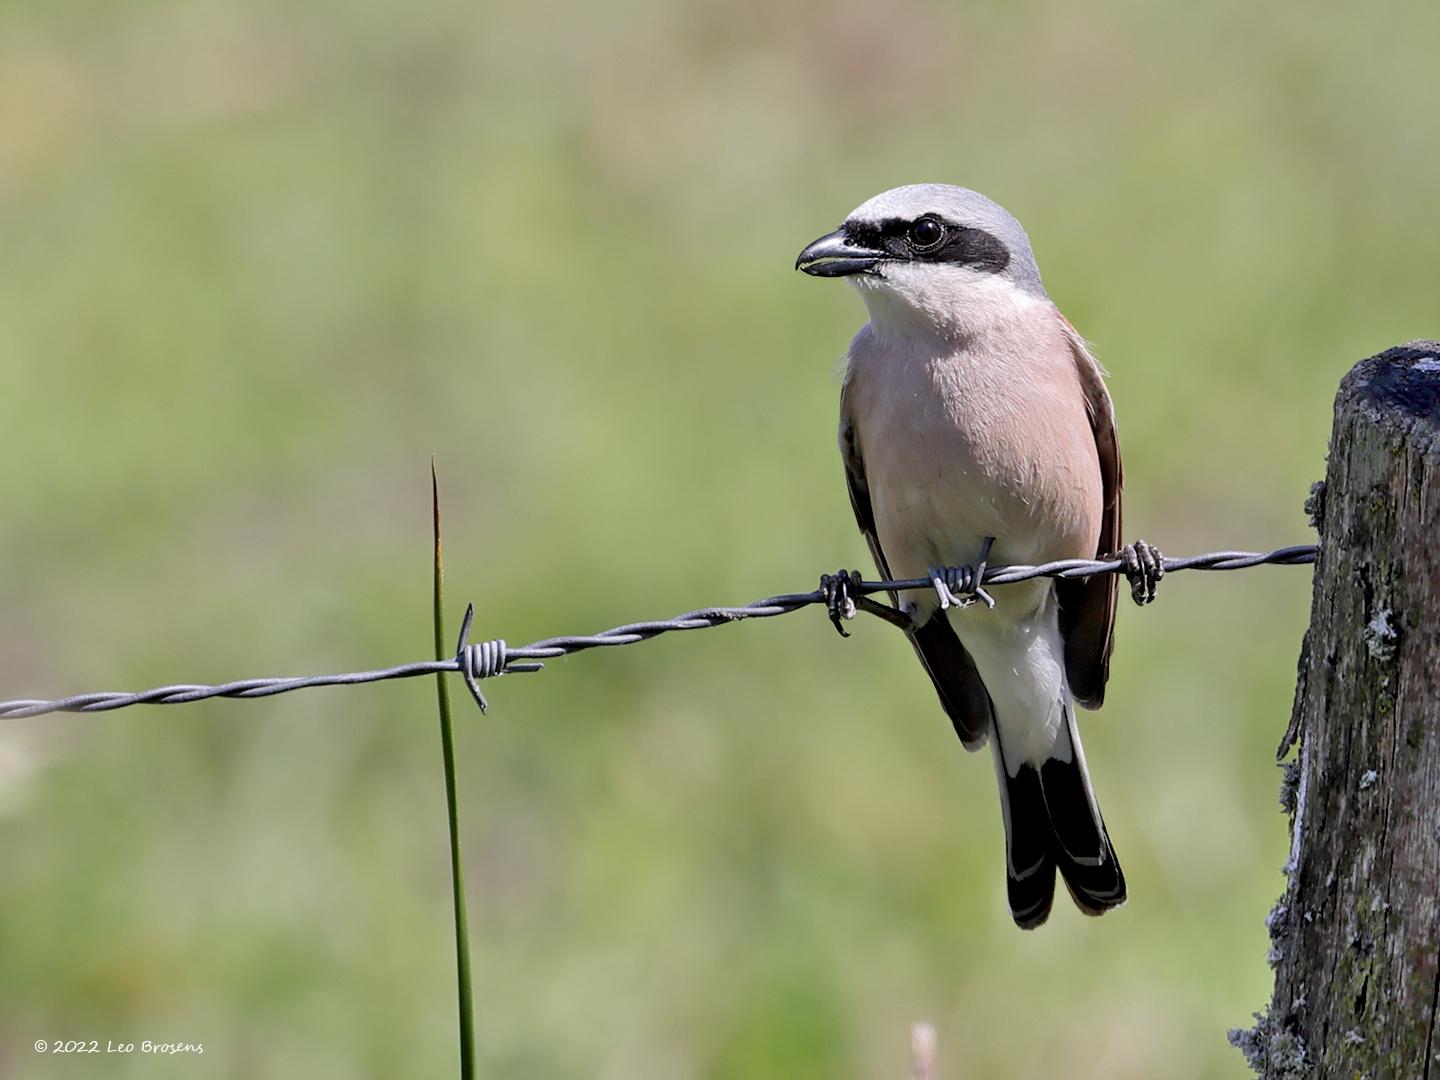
1144	567
959	586
839	590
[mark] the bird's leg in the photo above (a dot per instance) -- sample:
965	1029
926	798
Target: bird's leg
1144	567
894	616
842	600
959	586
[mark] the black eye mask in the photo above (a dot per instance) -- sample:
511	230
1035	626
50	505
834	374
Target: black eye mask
960	243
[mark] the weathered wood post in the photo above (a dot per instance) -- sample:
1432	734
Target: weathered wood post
1356	937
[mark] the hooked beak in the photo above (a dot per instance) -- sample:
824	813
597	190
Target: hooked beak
833	255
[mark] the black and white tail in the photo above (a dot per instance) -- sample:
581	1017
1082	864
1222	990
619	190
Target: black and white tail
1053	822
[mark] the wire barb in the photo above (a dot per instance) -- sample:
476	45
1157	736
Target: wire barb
483	659
488	659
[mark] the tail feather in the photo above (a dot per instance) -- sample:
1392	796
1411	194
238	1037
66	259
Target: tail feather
1082	847
1029	858
1052	822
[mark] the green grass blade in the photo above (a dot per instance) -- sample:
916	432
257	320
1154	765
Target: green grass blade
457	873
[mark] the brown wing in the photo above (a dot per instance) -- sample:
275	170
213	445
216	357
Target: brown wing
962	692
1087	605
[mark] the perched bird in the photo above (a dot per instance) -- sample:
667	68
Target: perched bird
975	425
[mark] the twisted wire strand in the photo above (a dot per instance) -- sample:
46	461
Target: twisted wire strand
481	660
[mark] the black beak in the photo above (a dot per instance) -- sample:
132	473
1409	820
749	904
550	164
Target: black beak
834	255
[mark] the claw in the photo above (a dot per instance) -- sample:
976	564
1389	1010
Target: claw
839	597
1144	567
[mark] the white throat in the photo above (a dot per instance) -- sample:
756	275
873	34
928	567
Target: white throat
930	300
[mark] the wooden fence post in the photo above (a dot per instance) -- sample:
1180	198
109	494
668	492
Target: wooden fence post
1356	936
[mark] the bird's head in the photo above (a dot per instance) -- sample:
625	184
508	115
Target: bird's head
930	257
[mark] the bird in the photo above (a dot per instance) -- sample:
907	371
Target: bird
975	425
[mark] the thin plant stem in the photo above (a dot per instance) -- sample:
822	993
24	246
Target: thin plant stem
457	873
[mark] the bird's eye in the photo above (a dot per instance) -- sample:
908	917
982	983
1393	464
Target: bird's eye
926	233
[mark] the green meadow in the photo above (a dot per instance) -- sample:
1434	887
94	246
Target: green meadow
259	261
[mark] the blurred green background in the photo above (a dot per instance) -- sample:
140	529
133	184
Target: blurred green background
260	260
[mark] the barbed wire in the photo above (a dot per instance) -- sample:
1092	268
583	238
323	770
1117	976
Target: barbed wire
486	659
